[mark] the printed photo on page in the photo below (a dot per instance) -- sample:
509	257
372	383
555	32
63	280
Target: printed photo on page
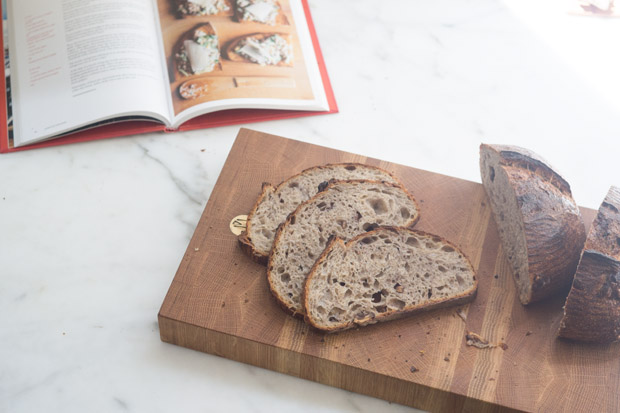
244	49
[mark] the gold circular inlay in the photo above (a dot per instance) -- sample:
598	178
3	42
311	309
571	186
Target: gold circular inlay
237	225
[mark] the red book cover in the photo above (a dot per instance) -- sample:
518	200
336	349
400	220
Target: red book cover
210	120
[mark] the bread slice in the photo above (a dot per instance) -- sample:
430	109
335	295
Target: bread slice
260	11
539	223
185	8
201	42
275	203
265	49
385	274
592	310
344	209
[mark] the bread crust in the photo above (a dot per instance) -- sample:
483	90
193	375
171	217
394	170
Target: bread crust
592	309
553	226
281	301
245	238
463	298
526	159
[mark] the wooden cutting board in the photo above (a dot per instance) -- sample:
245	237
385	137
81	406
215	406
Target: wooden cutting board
219	303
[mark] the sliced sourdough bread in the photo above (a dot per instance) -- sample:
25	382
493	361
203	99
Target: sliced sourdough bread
592	310
344	209
275	203
539	223
385	274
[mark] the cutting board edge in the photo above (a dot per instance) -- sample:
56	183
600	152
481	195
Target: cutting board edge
309	367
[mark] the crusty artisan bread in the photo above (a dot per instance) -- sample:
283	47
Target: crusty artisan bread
275	203
385	274
592	309
539	223
344	209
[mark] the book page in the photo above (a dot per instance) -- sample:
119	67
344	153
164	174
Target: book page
76	62
225	54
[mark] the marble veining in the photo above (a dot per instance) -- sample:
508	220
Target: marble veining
91	234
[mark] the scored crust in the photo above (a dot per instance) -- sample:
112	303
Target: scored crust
247	240
592	309
442	251
286	273
539	223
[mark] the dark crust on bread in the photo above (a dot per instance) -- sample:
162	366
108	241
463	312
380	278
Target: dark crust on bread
554	236
604	234
553	226
458	300
592	309
292	215
526	159
245	239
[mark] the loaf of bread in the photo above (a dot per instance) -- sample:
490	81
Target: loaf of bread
385	274
344	209
539	223
592	309
275	203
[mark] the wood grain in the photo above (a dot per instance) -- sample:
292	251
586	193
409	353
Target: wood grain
219	303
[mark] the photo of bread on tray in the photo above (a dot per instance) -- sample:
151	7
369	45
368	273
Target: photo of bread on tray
197	52
216	62
260	11
185	8
341	254
261	48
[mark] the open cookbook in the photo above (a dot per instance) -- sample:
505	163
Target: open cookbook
88	69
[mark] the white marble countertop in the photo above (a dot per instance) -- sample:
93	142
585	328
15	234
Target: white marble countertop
91	234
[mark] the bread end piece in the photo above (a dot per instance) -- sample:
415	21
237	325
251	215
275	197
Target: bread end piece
592	309
539	223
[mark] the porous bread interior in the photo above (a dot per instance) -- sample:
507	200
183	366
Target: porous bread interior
344	210
279	202
383	274
508	219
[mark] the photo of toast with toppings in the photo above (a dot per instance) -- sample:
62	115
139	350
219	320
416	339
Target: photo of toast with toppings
261	48
197	52
186	8
260	11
